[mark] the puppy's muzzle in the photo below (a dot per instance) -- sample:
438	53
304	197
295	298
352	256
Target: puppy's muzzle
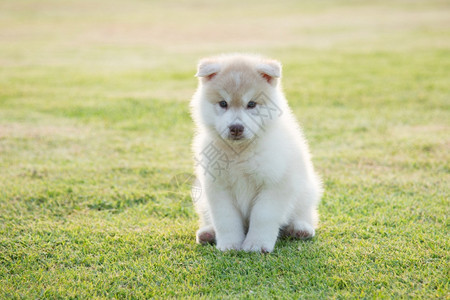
236	131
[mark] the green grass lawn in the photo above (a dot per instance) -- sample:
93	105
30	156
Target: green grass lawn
94	125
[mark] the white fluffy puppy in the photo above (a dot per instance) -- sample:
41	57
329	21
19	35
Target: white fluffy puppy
252	161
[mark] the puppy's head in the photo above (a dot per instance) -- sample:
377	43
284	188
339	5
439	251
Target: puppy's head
238	96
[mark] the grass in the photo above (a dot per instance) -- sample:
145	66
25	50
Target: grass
94	124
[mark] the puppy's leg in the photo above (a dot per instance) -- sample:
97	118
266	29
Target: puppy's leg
267	215
227	221
305	218
206	233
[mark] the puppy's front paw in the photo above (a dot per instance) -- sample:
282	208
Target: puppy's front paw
251	245
226	246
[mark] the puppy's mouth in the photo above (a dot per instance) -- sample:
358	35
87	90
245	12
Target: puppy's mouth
236	138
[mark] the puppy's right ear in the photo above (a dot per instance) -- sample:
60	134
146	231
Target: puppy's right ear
207	69
270	70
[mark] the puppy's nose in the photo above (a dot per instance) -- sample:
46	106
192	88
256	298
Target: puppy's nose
236	130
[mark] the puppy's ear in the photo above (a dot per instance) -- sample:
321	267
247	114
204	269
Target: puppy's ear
270	70
207	69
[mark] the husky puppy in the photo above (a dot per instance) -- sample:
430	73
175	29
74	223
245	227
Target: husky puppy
251	159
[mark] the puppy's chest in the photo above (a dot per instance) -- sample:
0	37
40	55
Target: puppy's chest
244	171
244	183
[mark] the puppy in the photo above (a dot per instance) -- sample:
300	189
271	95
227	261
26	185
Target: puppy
251	159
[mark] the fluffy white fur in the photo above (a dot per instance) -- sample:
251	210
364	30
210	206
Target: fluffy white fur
263	184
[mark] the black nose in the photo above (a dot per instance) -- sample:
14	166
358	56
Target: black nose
236	130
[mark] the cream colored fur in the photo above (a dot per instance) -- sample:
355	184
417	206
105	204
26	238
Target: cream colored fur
262	184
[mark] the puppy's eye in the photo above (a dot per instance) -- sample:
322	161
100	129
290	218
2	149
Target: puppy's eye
251	104
223	104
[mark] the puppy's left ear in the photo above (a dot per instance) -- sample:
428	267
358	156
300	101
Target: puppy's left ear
207	69
270	70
